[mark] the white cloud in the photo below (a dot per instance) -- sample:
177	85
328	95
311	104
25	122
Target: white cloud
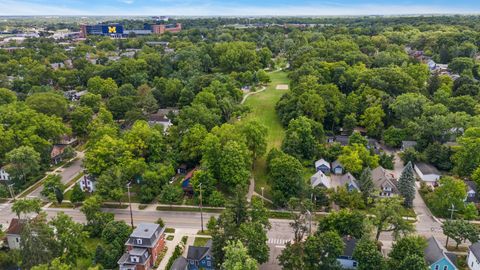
129	2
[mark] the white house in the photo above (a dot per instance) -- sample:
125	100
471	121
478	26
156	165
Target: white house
427	172
319	178
4	176
87	183
473	259
13	233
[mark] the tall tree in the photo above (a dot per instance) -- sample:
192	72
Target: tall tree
27	206
365	183
460	230
70	237
388	218
23	162
236	258
38	243
367	255
406	185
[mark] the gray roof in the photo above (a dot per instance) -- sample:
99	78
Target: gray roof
336	163
475	249
179	264
322	162
471	185
433	251
137	251
426	168
320	178
345	179
350	244
145	230
408	144
197	253
149	233
382	178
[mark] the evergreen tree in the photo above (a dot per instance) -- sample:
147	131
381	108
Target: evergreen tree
406	185
365	183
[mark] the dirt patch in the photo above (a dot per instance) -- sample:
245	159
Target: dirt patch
282	87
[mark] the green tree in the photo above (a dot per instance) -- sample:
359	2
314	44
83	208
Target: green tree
292	256
48	103
96	220
254	237
300	140
23	161
80	119
70	238
38	245
409	249
322	251
393	136
355	157
50	184
27	206
367	255
285	172
56	264
104	87
460	230
170	194
450	192
191	144
256	137
462	65
77	195
7	96
92	101
372	120
237	258
388	218
344	222
406	185
466	158
365	183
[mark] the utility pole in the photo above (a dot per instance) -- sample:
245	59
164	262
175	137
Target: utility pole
12	194
201	210
130	203
263	198
451	218
310	223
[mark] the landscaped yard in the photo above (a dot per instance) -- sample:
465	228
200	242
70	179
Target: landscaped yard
263	110
200	241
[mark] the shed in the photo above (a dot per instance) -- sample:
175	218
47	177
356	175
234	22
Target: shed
426	172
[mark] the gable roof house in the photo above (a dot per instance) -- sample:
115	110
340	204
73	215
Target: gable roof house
162	117
322	165
473	258
346	259
341	139
471	192
56	155
4	175
319	178
437	258
337	167
200	257
347	180
426	172
13	233
408	144
385	182
143	246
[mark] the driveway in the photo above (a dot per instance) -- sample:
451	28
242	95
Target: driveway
67	174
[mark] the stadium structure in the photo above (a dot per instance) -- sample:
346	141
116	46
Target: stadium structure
118	30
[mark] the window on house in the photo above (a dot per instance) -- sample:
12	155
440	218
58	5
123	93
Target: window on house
436	267
139	241
354	264
209	263
16	239
445	267
134	259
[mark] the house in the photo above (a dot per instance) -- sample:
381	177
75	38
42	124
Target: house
182	169
341	139
347	180
426	172
4	175
56	155
68	141
408	144
162	117
437	258
143	246
13	233
337	167
346	259
87	183
319	178
200	257
179	264
322	165
471	192
473	258
186	185
385	182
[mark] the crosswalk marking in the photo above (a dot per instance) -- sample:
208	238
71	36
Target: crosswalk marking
277	241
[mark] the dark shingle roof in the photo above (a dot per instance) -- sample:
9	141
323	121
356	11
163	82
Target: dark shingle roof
179	264
433	252
197	253
475	249
426	168
350	244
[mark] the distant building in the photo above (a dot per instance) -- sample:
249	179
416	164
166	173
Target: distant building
341	139
143	246
87	183
427	172
4	176
186	185
437	258
346	259
118	30
162	117
471	192
408	144
56	155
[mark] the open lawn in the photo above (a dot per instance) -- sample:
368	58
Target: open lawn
200	241
263	110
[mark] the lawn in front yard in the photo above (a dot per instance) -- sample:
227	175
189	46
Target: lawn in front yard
200	241
263	110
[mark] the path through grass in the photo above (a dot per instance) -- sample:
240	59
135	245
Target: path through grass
263	110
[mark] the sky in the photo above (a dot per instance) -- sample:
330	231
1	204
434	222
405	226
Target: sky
236	7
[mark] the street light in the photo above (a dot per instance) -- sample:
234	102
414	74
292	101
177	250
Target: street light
201	210
130	203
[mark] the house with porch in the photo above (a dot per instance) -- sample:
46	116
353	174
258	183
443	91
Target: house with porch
143	247
437	258
385	182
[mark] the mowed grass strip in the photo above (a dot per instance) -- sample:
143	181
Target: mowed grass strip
263	110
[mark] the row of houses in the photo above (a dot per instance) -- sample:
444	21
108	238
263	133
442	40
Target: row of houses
435	68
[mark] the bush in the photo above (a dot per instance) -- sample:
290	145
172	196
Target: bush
216	199
160	222
142	206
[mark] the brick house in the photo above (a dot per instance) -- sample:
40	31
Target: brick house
143	246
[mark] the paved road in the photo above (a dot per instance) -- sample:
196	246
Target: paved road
67	174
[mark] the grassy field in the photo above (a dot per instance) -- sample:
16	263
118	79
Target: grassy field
200	241
263	110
